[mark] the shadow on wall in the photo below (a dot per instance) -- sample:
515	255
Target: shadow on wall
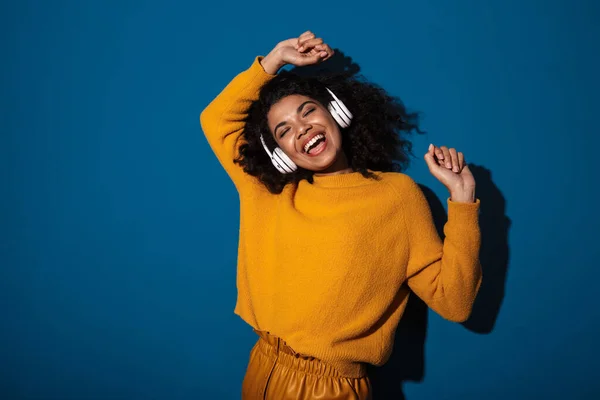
407	362
494	252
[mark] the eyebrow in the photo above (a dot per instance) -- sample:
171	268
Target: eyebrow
298	111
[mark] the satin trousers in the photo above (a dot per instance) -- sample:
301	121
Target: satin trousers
276	372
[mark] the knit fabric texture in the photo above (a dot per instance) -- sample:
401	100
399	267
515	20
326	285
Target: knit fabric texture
329	266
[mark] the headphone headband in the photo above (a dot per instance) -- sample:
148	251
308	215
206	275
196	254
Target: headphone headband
262	140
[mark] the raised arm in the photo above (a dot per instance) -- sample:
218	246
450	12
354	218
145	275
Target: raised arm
223	119
447	275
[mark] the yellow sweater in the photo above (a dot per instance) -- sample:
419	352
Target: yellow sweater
329	266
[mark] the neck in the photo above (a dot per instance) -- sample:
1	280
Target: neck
339	166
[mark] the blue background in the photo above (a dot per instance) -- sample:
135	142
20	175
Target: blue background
119	229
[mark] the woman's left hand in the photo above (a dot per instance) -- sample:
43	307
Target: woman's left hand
449	167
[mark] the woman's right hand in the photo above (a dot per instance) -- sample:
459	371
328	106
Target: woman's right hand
304	50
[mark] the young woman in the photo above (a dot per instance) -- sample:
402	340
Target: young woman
332	239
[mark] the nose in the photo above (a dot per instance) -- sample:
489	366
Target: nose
304	130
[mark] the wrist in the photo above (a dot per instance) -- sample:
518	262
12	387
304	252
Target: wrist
272	62
463	195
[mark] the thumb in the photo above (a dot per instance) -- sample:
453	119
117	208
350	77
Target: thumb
311	58
466	170
429	158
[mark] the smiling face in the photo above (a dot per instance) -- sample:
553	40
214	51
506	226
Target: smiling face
305	130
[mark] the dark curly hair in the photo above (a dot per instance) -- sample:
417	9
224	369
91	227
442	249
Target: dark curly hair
374	141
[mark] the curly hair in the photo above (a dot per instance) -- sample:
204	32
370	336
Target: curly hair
374	141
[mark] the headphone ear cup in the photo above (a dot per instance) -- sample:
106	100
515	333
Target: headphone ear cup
337	115
279	159
344	109
339	111
277	165
286	165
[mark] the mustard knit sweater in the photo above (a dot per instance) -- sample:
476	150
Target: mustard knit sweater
329	266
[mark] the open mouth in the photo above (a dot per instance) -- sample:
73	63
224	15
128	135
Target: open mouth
315	145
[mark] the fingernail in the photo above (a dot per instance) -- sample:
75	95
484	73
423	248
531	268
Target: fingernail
448	165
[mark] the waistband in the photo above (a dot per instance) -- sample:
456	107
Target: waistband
274	346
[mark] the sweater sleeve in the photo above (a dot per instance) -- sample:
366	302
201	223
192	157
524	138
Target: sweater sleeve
222	121
445	275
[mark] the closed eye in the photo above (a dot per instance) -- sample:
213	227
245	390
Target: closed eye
283	133
308	112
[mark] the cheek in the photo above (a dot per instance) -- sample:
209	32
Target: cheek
336	133
288	147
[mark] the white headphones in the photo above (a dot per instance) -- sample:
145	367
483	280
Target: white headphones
338	111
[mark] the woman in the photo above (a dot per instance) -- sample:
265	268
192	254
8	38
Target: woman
332	240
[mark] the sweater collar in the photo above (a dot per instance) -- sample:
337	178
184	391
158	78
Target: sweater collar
342	180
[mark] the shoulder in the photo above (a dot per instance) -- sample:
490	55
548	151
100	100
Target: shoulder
399	181
410	196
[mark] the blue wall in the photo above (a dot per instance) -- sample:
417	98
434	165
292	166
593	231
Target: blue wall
119	229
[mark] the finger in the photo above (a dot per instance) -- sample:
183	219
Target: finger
439	154
430	161
325	48
432	165
461	161
430	158
309	44
308	59
302	37
439	157
431	150
306	34
320	54
454	158
447	159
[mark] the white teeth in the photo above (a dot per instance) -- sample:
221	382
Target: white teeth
312	141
